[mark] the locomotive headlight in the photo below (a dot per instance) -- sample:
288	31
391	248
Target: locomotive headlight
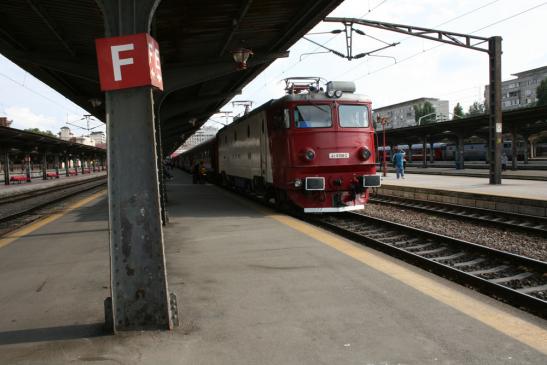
338	93
297	183
365	153
330	93
310	154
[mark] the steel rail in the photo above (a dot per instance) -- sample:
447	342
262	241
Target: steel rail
516	280
17	196
515	221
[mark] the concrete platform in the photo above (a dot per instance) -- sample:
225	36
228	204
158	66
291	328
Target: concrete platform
254	287
477	171
518	196
40	184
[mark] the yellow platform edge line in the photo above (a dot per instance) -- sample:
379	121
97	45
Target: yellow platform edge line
520	329
15	235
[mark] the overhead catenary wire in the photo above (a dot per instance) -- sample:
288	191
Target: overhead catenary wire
438	25
440	45
288	68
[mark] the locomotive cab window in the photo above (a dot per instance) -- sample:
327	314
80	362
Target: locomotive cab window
312	116
353	116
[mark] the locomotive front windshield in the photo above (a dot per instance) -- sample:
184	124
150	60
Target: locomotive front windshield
312	116
353	116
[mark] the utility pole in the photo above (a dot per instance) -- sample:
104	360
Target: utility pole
491	46
247	104
227	114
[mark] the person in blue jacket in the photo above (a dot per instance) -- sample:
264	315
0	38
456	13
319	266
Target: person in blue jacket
399	162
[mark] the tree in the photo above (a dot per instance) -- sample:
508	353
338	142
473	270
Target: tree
541	93
38	131
458	111
421	110
476	109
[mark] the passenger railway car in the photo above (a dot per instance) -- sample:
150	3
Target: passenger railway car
447	152
312	148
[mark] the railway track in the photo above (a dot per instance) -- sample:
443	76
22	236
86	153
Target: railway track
24	204
517	280
521	222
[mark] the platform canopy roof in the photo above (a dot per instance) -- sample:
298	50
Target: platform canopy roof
54	41
27	142
524	121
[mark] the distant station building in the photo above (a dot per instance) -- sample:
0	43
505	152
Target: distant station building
402	114
83	140
98	137
4	122
200	136
520	92
65	134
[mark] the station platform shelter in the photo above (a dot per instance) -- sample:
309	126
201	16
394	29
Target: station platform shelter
254	287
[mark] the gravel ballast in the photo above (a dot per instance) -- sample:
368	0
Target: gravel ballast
519	243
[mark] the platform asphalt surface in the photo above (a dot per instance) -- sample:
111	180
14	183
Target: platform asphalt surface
254	287
523	189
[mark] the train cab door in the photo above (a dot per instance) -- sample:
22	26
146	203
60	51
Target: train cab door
279	156
265	161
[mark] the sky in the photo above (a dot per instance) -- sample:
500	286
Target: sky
415	68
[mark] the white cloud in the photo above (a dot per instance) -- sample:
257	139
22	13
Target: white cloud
24	118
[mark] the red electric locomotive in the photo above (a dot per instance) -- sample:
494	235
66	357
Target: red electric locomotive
312	148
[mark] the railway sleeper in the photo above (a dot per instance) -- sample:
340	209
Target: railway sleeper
495	269
533	289
394	238
450	257
470	263
433	251
417	247
507	279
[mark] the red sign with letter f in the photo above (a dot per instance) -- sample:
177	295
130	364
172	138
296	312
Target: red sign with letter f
128	61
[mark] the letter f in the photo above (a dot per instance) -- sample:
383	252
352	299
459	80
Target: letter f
117	62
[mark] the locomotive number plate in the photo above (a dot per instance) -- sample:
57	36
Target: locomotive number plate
339	155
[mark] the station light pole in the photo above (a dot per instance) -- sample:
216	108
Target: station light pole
383	121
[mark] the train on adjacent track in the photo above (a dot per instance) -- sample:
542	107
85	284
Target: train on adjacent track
447	152
312	149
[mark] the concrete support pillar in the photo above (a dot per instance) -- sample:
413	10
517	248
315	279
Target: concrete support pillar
532	149
163	190
67	165
513	148
526	148
410	152
140	297
6	162
459	159
56	164
44	165
28	168
424	151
